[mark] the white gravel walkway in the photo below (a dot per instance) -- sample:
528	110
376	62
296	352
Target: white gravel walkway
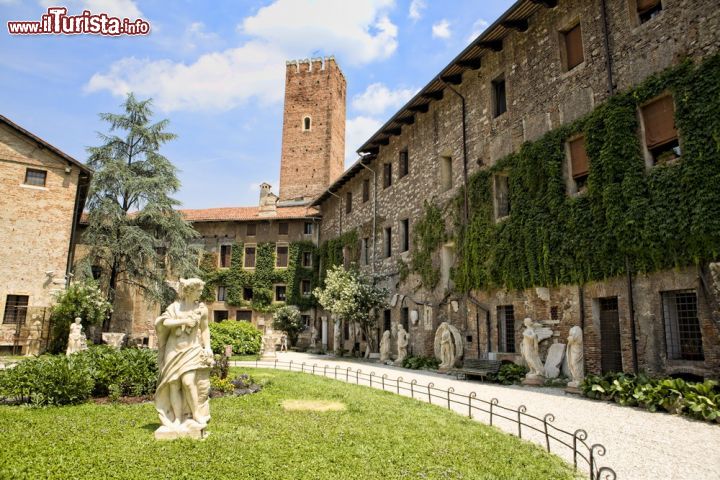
640	444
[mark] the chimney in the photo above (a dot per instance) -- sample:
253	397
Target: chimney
268	200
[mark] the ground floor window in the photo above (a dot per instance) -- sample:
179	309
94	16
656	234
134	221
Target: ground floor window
243	315
220	315
506	328
386	320
682	326
16	309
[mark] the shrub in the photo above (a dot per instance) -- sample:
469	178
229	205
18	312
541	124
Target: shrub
244	338
421	363
509	374
287	319
700	400
132	371
80	299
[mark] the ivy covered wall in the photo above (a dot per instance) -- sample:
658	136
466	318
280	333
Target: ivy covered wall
660	217
262	278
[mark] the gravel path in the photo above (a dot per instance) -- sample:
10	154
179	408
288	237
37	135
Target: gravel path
640	444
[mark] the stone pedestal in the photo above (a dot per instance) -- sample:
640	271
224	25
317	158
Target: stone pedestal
574	388
534	380
183	431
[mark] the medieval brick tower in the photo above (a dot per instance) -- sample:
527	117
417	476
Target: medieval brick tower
313	141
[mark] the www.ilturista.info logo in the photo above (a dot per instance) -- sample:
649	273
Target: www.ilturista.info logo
58	22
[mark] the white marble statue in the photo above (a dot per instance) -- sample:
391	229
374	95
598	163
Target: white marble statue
76	340
33	338
268	346
531	352
184	360
447	350
402	343
114	339
385	347
337	339
575	357
448	346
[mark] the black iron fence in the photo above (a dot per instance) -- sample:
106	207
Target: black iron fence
574	445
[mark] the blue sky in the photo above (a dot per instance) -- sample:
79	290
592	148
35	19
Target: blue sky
216	71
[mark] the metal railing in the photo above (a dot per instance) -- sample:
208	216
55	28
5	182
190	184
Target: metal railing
584	454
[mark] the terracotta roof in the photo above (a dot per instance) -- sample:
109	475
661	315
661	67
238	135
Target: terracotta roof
246	213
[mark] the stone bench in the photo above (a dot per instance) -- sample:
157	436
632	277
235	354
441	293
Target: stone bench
477	368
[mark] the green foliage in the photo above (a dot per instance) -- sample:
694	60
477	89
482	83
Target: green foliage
247	434
80	299
331	252
509	374
421	363
98	371
664	217
243	336
287	319
134	230
674	395
428	235
221	385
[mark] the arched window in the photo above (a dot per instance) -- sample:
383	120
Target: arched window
306	123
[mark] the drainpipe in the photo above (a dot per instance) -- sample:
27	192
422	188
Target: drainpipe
374	221
631	308
581	297
606	45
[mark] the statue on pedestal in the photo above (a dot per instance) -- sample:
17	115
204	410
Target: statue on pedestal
33	338
575	357
385	347
402	343
76	340
531	355
184	360
448	346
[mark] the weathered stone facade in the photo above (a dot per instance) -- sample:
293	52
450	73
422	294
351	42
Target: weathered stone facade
38	222
541	95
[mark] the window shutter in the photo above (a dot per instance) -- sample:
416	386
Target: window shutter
574	47
579	162
643	5
659	117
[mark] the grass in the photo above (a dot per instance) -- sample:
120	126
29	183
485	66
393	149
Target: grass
378	435
244	358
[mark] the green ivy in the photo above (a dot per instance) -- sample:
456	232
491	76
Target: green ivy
428	234
262	279
331	252
664	217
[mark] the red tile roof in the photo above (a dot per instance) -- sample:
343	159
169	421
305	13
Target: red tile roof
226	214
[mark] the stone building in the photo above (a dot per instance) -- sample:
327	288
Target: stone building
44	191
536	82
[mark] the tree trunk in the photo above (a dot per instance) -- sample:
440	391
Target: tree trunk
111	296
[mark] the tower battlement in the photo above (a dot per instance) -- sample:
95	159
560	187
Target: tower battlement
311	65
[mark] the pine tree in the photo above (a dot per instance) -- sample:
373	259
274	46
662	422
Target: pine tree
134	233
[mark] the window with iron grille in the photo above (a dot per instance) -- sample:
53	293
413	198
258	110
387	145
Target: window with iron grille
387	175
249	257
225	256
554	313
683	336
366	190
506	328
35	177
221	292
404	165
281	256
348	202
251	229
243	315
16	309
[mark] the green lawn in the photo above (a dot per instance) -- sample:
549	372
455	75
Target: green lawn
244	358
379	435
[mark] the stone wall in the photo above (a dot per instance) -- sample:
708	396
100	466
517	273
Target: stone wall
541	95
36	223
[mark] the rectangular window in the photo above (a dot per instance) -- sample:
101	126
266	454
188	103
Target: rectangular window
305	288
280	291
307	259
648	9
281	256
247	293
387	175
220	315
249	257
388	241
348	202
405	318
502	196
225	255
683	336
35	177
573	47
243	315
446	173
221	292
499	96
308	228
366	250
405	235
387	320
305	320
16	309
579	163
404	165
251	229
282	228
96	272
366	190
506	328
661	135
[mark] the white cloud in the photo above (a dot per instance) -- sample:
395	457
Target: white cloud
478	27
357	32
441	29
378	98
357	131
114	8
416	8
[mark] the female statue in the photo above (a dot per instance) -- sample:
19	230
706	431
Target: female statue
385	347
447	350
531	350
184	360
75	339
575	356
402	343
